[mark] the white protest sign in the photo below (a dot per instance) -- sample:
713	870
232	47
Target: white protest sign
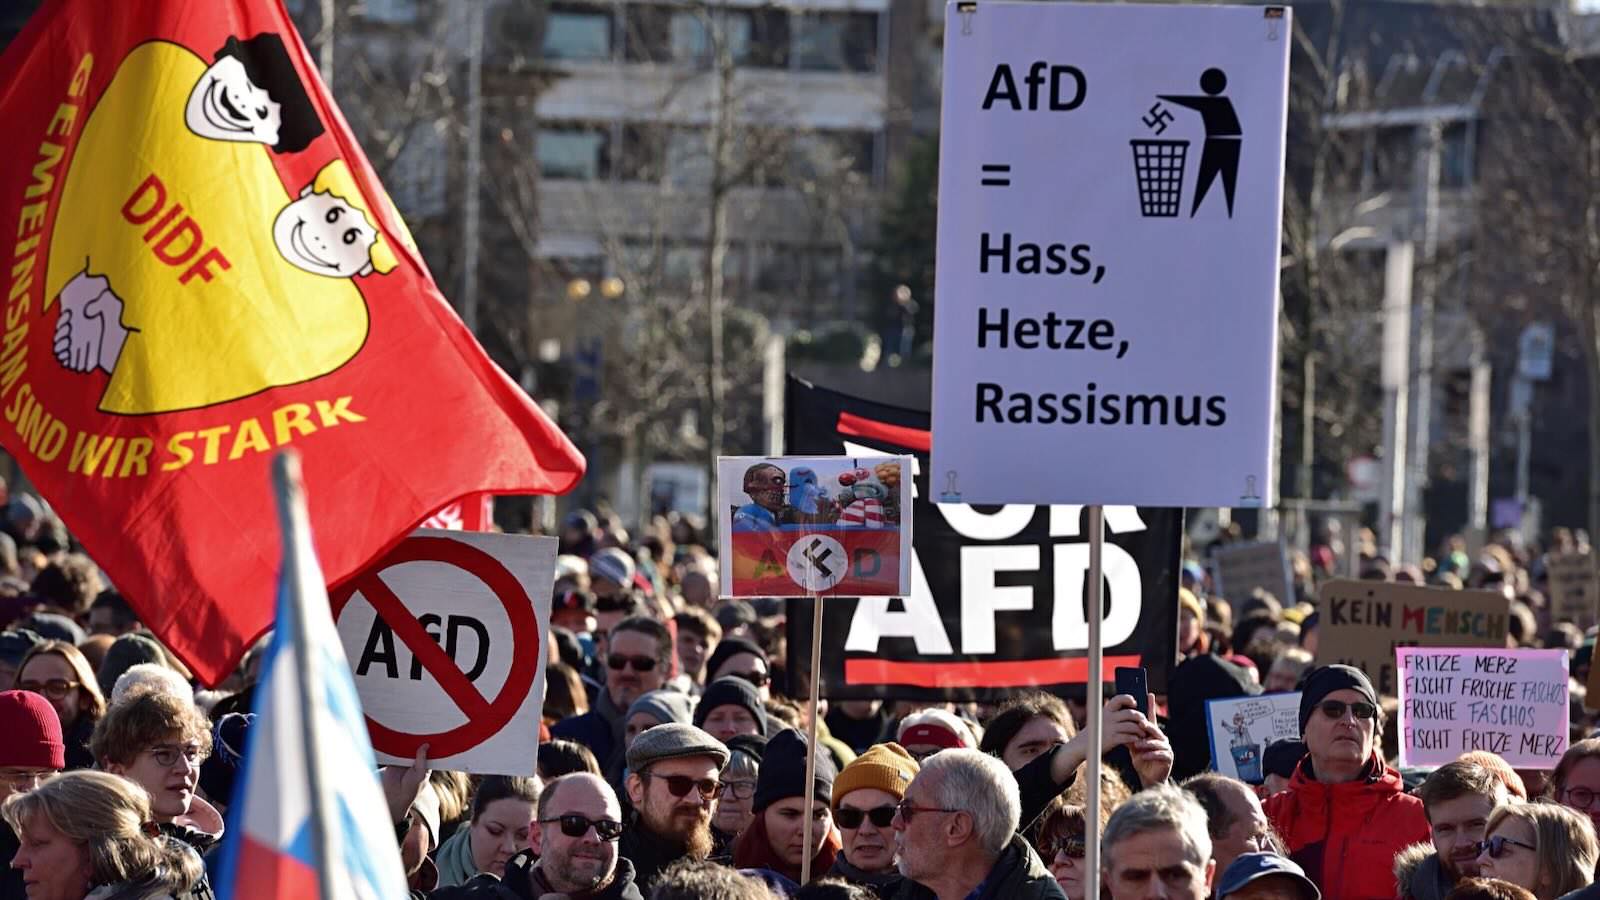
1510	702
1243	567
1240	729
1110	196
446	636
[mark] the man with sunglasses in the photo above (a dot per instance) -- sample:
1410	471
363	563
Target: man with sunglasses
674	779
956	834
637	654
574	852
1345	815
31	752
864	799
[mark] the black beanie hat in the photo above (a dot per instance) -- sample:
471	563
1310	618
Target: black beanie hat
751	745
1282	757
731	691
1324	681
783	772
730	647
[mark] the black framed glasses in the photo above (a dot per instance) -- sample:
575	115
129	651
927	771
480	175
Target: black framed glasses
1578	798
907	809
739	790
54	689
759	679
681	785
618	662
1334	709
847	817
576	826
1496	846
167	755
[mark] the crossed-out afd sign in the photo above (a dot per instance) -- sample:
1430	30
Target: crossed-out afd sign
446	638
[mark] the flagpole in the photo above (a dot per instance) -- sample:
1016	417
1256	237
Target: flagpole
1095	700
293	524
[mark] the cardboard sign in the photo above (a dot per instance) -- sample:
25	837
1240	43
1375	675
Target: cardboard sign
997	597
1362	622
1509	702
446	638
801	526
1241	568
1241	728
1574	588
1110	198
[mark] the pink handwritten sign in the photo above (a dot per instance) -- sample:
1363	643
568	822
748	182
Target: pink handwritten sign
1509	702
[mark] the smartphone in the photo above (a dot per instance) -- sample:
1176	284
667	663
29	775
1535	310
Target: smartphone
1136	683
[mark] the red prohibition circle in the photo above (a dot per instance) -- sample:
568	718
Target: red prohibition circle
484	718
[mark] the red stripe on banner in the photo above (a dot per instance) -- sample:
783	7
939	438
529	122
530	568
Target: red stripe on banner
265	872
1017	673
899	435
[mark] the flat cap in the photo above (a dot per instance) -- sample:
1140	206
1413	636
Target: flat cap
673	740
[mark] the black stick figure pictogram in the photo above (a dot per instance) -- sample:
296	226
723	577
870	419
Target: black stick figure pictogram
1220	153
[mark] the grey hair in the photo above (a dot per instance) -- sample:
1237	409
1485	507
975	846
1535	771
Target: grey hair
1153	809
741	765
981	786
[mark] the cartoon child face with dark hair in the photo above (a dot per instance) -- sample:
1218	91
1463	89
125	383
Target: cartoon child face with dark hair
226	105
253	93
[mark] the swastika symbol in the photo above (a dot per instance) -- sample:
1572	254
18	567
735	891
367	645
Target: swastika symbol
818	559
1157	118
818	562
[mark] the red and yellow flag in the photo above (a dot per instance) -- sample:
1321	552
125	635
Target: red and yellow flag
200	267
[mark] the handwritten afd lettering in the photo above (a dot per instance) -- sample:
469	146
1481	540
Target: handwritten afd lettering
380	650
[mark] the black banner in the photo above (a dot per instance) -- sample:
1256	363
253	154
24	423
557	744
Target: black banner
986	613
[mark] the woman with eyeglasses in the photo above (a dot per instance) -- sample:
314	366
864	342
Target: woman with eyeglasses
58	671
501	826
1545	848
1576	781
738	788
775	839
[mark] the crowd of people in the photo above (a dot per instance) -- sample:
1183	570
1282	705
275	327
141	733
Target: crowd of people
672	761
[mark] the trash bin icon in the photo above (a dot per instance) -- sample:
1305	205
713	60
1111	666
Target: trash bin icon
1159	168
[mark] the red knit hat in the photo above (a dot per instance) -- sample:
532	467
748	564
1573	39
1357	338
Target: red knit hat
32	730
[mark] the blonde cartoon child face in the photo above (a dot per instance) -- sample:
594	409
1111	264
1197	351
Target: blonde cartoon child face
226	105
325	235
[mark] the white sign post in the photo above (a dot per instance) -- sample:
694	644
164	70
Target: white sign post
1110	196
447	639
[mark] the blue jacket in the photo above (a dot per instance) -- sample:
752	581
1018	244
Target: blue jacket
599	729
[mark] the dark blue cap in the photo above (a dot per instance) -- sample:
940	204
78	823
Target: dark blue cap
1250	866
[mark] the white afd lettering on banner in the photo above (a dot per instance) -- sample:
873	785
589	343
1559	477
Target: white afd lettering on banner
982	600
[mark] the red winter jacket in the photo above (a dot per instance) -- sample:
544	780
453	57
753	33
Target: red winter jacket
1346	836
